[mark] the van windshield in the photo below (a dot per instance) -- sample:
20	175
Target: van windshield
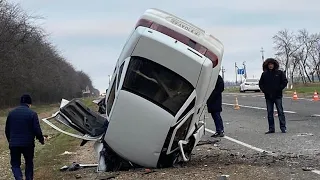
157	84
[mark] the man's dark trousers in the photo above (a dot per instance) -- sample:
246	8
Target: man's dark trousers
216	116
270	109
28	154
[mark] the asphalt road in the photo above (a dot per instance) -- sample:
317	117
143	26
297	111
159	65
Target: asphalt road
246	127
302	106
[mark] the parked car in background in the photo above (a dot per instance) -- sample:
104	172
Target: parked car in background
250	85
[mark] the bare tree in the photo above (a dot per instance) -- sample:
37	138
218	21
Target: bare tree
305	43
299	53
314	59
29	63
285	45
295	65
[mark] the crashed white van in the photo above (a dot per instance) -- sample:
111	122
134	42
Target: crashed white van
158	91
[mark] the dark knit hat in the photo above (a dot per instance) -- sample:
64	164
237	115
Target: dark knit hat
26	99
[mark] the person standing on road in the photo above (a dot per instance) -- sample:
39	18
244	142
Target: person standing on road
22	126
272	83
214	105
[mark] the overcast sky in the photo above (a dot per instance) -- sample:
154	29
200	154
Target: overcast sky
90	34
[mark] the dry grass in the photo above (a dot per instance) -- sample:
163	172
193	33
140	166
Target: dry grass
305	89
47	157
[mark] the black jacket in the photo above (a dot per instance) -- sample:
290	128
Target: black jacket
214	102
22	126
272	82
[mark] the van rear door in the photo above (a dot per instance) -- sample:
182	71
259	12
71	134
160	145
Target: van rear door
75	116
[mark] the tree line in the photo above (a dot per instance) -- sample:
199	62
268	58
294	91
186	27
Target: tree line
299	55
29	63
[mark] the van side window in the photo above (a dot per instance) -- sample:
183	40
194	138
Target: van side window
111	97
157	84
119	75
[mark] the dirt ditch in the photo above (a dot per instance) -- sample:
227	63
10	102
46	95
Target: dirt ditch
208	162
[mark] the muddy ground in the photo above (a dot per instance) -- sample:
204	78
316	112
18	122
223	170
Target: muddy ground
208	162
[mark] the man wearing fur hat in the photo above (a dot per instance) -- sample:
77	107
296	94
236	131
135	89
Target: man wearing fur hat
22	127
272	83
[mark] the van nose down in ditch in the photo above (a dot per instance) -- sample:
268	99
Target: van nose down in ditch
153	112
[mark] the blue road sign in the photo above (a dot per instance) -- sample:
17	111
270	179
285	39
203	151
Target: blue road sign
241	71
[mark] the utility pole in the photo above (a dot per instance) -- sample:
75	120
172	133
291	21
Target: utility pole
223	71
245	69
235	66
262	56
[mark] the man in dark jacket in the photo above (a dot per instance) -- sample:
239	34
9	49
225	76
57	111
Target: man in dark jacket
22	126
214	104
272	83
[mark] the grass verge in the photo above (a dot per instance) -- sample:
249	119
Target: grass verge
47	159
304	89
301	89
231	90
38	108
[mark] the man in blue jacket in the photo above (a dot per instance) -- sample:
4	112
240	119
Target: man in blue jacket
22	126
214	105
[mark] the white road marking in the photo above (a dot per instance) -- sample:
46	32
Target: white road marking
298	98
316	171
258	96
242	143
315	115
260	108
262	96
253	147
